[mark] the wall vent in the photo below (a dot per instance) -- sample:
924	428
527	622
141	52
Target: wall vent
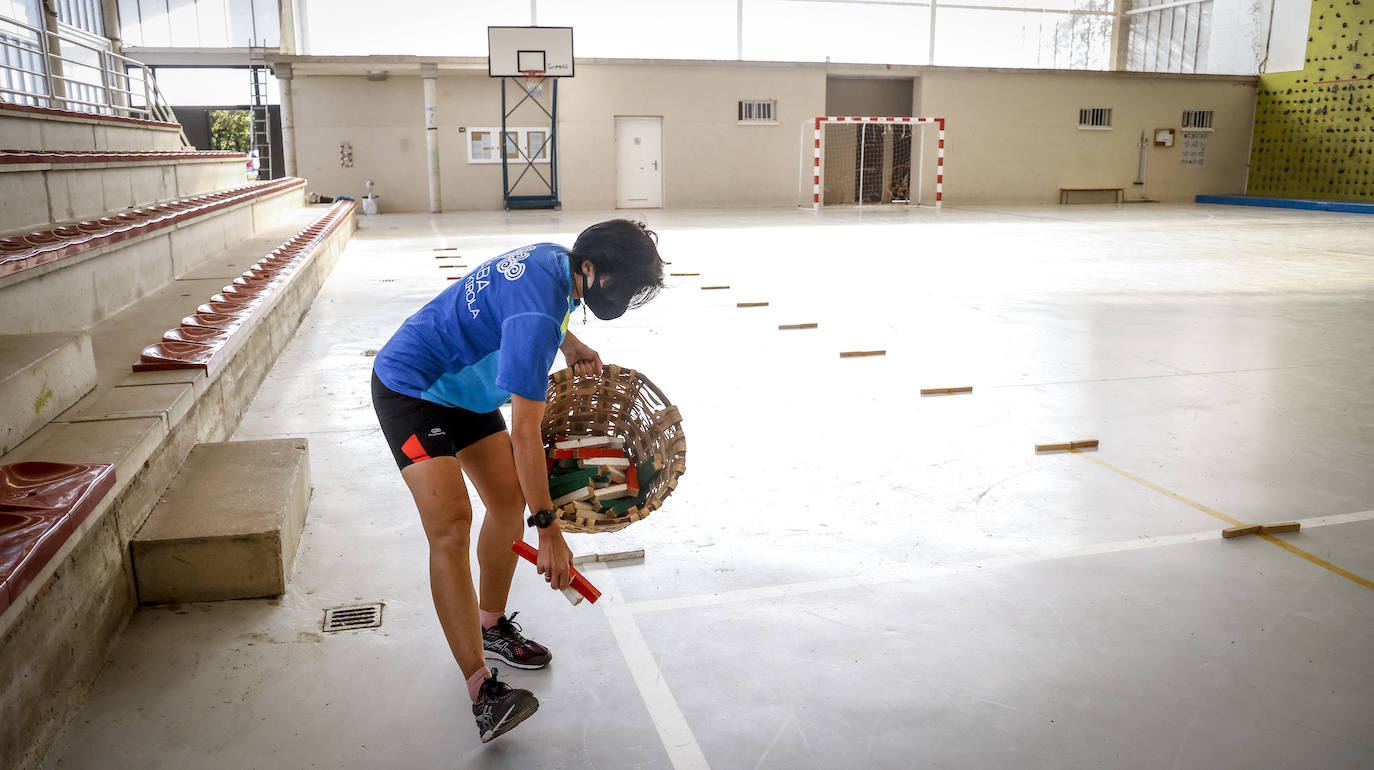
1095	117
1197	120
758	111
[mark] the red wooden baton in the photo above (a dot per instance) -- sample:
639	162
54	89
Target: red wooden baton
580	584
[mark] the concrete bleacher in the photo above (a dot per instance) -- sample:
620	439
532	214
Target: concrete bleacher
80	305
69	186
23	127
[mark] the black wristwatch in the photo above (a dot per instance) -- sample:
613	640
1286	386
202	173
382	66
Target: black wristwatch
541	519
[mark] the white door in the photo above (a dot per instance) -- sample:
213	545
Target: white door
639	163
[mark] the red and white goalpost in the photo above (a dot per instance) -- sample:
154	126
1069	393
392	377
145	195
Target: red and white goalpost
869	160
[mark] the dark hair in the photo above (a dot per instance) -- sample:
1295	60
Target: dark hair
626	253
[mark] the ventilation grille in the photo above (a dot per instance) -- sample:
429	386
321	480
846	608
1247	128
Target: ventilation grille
758	111
1197	119
350	618
1095	117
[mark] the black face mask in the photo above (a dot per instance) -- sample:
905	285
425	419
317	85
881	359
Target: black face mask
602	306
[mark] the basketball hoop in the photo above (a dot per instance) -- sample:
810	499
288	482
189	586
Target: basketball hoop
532	81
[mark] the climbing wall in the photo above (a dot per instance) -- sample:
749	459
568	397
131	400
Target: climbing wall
1314	129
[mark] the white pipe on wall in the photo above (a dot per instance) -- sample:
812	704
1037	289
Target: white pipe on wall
429	73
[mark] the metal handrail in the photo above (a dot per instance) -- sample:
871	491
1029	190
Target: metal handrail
114	85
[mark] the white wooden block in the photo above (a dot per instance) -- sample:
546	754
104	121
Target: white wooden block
577	494
608	462
588	442
612	492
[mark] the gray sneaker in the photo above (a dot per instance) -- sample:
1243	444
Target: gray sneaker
504	642
500	707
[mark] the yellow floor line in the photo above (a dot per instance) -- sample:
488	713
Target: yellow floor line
1293	549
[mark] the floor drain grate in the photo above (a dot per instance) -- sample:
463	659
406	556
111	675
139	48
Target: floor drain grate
350	618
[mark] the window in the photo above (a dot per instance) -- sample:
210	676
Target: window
1197	120
758	111
1095	117
519	144
203	23
82	14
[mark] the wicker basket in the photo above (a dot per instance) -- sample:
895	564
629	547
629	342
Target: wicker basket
622	402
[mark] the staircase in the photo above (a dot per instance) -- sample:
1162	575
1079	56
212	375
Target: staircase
115	239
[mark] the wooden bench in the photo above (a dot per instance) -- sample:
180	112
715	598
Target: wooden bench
1064	192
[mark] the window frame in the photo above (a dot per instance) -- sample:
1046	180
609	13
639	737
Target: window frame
1209	128
522	134
739	108
1106	112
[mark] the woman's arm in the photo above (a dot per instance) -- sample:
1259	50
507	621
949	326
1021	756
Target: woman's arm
582	359
555	559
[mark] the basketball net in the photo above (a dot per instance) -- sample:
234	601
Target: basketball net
532	81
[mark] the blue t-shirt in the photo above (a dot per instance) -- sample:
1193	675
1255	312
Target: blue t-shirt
492	334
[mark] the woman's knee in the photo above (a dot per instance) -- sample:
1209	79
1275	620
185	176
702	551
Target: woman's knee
451	534
509	500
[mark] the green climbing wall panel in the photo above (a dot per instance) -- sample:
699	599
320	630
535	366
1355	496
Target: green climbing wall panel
1314	129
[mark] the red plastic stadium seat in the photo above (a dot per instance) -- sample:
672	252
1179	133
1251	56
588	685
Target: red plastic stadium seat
207	338
23	252
224	308
200	335
175	355
251	282
236	298
212	321
41	505
126	156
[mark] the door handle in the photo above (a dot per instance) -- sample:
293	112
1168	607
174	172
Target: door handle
655	165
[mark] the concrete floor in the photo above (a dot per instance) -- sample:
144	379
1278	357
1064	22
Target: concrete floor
851	575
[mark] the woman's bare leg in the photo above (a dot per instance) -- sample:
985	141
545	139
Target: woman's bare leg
446	514
491	466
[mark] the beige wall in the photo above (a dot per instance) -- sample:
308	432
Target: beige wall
1012	136
708	158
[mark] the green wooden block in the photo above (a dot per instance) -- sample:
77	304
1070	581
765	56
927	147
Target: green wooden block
562	484
620	506
575	478
646	473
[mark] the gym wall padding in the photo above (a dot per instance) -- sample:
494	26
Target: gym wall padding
1314	128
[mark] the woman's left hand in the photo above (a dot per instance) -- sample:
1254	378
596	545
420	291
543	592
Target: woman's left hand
583	360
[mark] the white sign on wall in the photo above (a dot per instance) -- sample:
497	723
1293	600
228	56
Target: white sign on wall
1195	148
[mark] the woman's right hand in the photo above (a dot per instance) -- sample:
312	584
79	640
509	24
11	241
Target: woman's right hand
555	558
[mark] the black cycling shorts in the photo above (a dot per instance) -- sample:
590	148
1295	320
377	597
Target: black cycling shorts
417	430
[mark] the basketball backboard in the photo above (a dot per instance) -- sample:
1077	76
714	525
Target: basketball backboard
512	51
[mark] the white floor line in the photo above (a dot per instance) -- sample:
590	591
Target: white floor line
671	725
905	573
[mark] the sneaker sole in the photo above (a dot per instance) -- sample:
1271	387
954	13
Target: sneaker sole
493	655
517	714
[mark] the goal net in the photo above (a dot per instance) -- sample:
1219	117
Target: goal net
861	161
